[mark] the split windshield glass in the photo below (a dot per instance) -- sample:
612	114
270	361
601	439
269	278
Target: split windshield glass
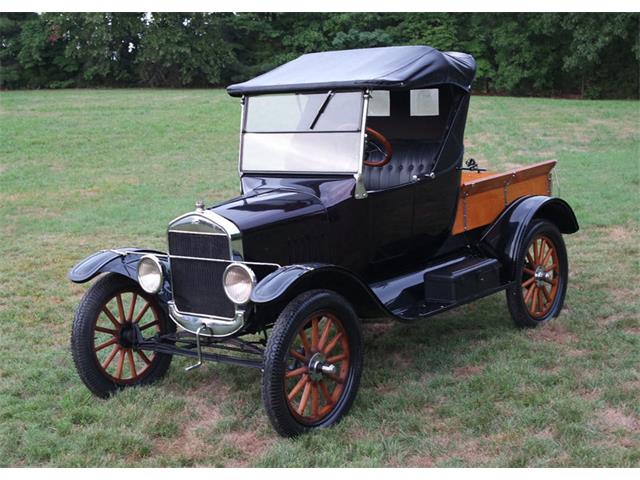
297	112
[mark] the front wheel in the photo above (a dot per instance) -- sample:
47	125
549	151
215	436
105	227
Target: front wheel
312	363
541	276
113	313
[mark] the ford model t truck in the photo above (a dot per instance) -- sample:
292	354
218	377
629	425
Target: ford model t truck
355	202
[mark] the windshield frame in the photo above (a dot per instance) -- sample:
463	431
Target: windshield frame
360	131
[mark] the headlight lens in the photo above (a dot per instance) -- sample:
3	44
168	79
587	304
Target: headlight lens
150	274
238	281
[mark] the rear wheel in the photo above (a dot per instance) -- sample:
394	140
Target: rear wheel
541	276
111	316
313	363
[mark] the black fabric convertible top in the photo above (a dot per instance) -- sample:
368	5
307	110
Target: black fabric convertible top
382	68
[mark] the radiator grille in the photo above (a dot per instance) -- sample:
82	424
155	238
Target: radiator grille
197	284
197	287
186	244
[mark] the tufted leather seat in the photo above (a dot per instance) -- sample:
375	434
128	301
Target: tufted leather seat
409	158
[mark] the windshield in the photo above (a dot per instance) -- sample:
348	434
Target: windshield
303	133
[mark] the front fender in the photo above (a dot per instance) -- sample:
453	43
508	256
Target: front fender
284	284
118	260
504	237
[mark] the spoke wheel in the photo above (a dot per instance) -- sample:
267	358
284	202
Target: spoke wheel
317	368
312	363
114	334
112	316
540	276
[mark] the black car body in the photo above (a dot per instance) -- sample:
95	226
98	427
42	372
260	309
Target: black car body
319	211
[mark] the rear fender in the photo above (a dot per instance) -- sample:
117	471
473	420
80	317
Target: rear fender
504	237
281	286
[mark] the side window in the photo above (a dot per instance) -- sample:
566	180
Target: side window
379	104
424	103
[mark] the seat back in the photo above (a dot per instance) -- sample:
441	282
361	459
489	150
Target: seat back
409	158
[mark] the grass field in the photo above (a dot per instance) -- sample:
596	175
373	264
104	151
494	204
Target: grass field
85	170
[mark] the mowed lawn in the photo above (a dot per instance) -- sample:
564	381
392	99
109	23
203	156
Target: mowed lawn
91	169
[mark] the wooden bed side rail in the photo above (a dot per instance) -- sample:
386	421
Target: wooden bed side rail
483	196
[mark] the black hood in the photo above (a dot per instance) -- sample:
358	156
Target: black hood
259	209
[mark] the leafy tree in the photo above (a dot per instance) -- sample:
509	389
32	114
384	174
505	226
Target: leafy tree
104	45
592	55
11	24
179	49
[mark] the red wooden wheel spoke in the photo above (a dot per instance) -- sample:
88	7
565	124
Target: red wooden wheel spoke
110	316
551	267
132	307
305	398
337	358
132	364
553	281
106	330
314	334
529	271
325	392
155	322
142	312
546	294
539	252
295	390
314	400
544	247
120	364
144	358
335	378
530	259
297	356
111	356
528	282
534	303
305	342
105	344
296	372
529	293
326	409
325	333
333	343
546	257
120	308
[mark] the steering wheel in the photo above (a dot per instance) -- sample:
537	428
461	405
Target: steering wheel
376	142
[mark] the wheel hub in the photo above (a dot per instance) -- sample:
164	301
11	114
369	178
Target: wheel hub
542	276
127	335
318	367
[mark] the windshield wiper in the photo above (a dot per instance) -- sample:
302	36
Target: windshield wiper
321	109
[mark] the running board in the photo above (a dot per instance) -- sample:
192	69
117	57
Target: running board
445	286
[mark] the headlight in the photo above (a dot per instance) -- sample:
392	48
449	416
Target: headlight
238	281
150	274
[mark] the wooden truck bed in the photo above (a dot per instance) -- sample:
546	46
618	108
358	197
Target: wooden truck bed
484	195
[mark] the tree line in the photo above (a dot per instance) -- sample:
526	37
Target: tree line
549	54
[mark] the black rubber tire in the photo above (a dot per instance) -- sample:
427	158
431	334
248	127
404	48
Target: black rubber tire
284	330
515	301
82	334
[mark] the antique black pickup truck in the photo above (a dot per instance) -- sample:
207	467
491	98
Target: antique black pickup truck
355	202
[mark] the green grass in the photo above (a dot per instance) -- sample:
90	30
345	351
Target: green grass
85	170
